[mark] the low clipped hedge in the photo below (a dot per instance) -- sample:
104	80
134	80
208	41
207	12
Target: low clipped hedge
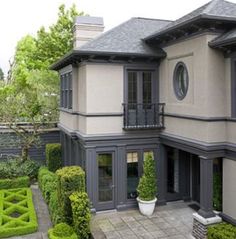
81	214
62	231
48	184
17	214
221	231
53	156
70	179
21	182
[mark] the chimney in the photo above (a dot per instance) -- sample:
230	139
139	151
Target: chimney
86	28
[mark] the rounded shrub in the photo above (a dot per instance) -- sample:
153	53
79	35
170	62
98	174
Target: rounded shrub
62	231
221	231
147	187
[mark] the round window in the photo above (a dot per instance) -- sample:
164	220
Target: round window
180	80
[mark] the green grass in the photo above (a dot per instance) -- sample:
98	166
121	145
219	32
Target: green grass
17	214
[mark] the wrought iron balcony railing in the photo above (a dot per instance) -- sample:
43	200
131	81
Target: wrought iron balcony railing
143	116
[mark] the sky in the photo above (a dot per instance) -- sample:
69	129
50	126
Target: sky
21	17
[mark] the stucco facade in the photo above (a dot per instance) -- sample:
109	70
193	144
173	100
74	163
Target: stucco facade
124	104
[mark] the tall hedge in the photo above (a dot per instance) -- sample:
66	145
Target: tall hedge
53	157
70	179
81	214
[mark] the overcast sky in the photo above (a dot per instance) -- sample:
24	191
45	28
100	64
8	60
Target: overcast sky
21	17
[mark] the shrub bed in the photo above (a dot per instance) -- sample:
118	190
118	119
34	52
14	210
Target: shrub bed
62	231
70	179
21	182
81	214
17	214
48	184
222	231
15	168
53	157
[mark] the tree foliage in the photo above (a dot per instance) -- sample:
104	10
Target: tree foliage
32	93
1	74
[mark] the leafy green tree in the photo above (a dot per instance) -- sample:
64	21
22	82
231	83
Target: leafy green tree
1	74
33	90
21	106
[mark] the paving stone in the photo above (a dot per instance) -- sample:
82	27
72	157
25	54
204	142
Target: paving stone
173	221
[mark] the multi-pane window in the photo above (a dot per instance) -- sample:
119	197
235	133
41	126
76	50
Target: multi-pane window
134	171
66	91
147	89
132	88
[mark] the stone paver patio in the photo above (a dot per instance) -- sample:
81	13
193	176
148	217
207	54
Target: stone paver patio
172	221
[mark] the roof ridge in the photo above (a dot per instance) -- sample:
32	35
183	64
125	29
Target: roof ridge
211	5
154	19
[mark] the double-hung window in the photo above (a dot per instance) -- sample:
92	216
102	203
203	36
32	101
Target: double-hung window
66	90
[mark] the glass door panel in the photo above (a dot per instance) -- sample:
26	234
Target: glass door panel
105	177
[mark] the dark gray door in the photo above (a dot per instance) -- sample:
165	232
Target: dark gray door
105	183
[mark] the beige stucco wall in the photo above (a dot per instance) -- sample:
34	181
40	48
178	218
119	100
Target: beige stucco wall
229	188
69	121
104	88
81	91
208	93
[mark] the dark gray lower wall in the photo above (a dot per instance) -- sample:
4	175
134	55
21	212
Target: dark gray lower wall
9	145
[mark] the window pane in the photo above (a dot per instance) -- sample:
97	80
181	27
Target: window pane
132	88
147	89
105	177
61	91
147	153
70	91
132	175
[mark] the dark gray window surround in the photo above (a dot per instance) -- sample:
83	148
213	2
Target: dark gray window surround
66	90
180	80
233	87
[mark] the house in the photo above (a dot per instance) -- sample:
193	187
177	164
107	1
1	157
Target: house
158	86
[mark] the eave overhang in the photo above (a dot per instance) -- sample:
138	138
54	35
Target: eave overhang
78	56
200	23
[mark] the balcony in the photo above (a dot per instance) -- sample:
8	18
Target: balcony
143	116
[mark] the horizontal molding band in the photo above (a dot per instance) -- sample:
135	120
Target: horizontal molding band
211	150
112	114
200	118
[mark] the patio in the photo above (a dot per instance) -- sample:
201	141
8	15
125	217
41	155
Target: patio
172	221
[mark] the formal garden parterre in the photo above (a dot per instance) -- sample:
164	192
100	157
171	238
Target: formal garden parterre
63	189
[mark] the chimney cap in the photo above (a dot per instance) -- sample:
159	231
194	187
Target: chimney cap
89	20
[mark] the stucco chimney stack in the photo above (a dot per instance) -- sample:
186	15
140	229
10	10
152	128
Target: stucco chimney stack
86	28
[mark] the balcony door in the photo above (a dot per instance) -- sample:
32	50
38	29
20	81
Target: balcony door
141	99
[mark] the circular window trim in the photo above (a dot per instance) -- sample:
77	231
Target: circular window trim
178	95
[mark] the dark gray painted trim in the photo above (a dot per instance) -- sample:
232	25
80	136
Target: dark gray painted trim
80	55
221	149
197	19
91	114
200	118
228	219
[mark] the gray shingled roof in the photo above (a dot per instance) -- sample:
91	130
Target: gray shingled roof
216	9
127	38
224	39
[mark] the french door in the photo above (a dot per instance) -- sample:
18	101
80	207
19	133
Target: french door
141	97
